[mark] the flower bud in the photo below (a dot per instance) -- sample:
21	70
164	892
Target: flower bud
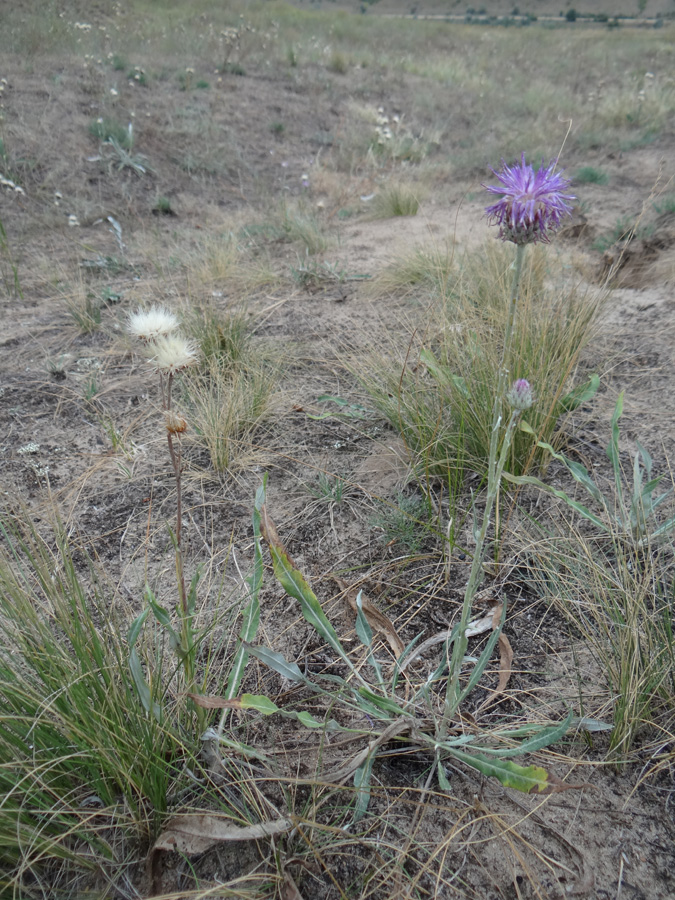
520	396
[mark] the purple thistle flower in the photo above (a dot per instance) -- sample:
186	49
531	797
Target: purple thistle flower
531	204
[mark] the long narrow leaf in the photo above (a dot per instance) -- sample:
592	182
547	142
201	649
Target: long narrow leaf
546	736
277	662
362	778
574	504
294	583
527	779
149	705
483	659
365	635
581	394
251	614
613	452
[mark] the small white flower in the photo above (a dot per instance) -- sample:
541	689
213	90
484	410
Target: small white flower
113	92
73	221
173	353
153	323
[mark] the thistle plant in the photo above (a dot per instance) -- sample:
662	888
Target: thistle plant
530	209
170	353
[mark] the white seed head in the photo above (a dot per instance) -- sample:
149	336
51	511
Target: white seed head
173	353
153	323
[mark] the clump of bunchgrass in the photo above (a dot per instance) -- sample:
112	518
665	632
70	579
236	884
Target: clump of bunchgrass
437	390
229	404
395	200
83	306
591	175
230	394
423	272
617	597
404	523
298	225
108	129
79	755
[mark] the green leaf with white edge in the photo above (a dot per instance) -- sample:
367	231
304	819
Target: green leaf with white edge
648	490
443	373
586	723
362	778
613	451
443	778
136	627
348	410
365	635
544	737
251	614
363	630
163	617
573	504
192	592
483	659
527	779
581	394
666	528
382	703
276	661
262	704
293	582
576	470
144	695
399	662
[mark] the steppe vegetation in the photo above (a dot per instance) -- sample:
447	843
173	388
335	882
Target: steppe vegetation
336	546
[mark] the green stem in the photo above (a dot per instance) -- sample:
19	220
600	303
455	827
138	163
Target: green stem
495	468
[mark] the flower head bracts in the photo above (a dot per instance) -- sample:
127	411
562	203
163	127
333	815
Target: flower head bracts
531	205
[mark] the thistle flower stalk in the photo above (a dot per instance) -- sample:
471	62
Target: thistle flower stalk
530	209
